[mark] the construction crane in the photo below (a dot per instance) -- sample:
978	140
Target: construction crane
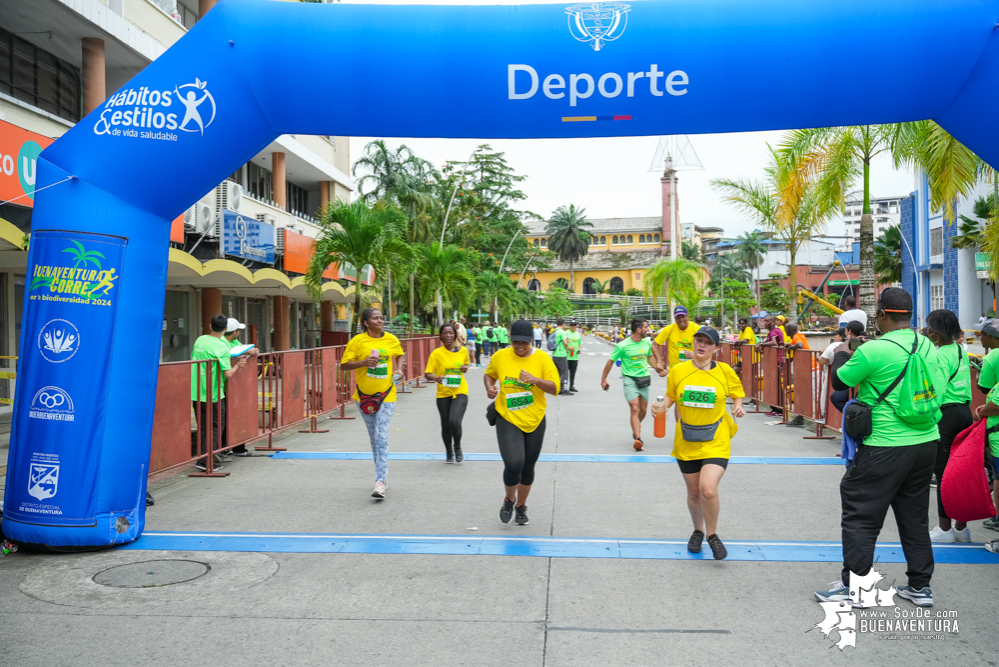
806	297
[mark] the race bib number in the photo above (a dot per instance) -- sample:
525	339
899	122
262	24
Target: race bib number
519	400
379	372
452	379
698	397
685	355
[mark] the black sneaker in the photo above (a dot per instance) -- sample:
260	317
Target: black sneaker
694	543
797	421
200	464
506	512
244	453
459	456
573	390
522	519
450	457
933	482
717	548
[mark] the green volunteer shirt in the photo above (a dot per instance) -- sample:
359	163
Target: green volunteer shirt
560	343
634	357
209	347
574	340
990	422
989	377
956	369
231	343
872	368
502	335
477	334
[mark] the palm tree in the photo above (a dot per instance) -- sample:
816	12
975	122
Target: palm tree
567	236
751	252
358	235
675	279
790	204
497	289
599	287
971	229
444	274
728	266
692	251
888	256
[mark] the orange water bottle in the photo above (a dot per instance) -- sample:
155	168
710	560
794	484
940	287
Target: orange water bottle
659	417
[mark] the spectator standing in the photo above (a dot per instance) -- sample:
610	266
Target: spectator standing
775	338
502	336
852	313
573	341
210	405
561	357
538	336
232	331
462	332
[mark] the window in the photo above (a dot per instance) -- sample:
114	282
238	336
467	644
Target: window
616	285
631	239
936	241
641	238
614	240
37	77
883	220
936	297
657	238
537	243
298	198
603	240
237	176
259	181
544	243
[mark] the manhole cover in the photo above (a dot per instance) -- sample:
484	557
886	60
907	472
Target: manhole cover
151	573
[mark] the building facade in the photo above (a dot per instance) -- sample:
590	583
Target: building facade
885	210
242	249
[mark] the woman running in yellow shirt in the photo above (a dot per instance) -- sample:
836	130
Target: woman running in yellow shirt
447	366
702	442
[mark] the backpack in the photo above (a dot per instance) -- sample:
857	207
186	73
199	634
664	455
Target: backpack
489	333
920	402
552	341
964	488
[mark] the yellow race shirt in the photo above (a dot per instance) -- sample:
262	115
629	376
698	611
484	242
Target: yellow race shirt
444	362
680	342
379	378
787	339
523	405
748	335
701	396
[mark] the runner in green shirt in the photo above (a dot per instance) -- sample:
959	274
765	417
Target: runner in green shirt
561	358
502	336
989	337
213	348
573	341
635	354
894	464
490	339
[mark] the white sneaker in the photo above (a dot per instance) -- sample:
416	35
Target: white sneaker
962	535
941	536
379	491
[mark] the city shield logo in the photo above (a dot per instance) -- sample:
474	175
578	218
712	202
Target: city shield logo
598	22
43	480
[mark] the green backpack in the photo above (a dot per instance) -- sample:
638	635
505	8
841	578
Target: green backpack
919	400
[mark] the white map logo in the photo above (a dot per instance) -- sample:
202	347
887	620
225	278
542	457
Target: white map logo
43	480
840	615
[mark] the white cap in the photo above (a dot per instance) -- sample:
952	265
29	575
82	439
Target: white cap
233	324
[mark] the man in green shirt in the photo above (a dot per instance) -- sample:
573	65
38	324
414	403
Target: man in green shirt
502	336
991	411
489	344
573	341
211	399
476	338
893	465
636	355
561	357
989	337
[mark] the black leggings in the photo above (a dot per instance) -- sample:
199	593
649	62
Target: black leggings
452	411
520	451
572	371
478	353
955	418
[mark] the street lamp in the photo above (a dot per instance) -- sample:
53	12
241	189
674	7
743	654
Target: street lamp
457	185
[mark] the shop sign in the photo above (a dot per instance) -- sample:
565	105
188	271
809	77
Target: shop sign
247	238
19	151
983	262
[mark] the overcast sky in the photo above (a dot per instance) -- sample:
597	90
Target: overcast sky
610	177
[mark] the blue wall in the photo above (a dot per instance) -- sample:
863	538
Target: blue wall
951	298
908	228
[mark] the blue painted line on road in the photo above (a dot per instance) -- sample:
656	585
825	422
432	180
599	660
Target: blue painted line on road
544	547
572	458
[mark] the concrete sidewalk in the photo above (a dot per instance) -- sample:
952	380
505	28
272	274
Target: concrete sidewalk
411	608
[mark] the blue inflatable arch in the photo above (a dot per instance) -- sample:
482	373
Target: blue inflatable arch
250	71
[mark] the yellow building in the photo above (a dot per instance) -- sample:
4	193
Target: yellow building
621	250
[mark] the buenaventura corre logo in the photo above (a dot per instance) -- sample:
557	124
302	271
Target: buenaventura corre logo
143	113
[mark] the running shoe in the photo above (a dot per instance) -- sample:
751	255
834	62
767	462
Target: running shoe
459	456
797	421
962	535
933	482
522	519
450	457
638	444
717	548
573	390
991	524
774	414
940	536
993	546
694	543
379	491
838	592
506	512
200	465
922	597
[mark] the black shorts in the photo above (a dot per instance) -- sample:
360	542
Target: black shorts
690	467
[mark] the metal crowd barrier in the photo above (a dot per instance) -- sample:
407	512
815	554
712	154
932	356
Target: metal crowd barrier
274	392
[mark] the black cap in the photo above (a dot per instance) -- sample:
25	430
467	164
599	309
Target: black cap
710	333
521	331
989	327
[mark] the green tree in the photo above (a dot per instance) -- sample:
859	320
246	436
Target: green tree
727	267
692	251
738	298
444	276
888	256
359	235
568	238
774	299
971	228
599	287
787	202
751	252
556	303
667	278
496	290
